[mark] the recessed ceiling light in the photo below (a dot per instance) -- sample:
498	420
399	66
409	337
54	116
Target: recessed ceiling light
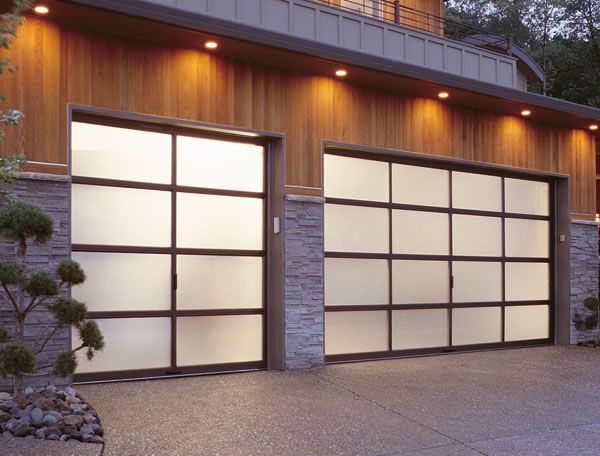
525	112
341	73
443	95
41	9
593	127
211	44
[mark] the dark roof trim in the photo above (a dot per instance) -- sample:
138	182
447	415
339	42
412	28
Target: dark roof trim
529	66
200	22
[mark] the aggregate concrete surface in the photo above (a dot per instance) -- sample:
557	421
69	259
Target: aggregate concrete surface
533	401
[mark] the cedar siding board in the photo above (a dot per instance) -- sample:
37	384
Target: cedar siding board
62	65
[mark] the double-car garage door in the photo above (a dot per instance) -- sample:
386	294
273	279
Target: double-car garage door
424	258
420	257
168	225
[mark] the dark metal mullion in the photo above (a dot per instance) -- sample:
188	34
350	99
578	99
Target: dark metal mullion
503	263
177	313
135	185
402	256
441	305
390	261
173	251
450	263
163	250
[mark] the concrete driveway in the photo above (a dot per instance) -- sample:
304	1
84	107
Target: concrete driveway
537	401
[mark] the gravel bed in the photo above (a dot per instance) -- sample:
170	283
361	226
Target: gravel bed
52	414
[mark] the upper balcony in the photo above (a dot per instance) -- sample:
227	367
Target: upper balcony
386	29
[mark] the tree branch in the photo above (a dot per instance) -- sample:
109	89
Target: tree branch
12	299
46	340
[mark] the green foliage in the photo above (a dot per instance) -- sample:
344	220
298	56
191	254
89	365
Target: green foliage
91	337
10	273
563	36
9	169
69	312
22	221
592	303
16	359
65	365
70	272
4	336
41	284
590	321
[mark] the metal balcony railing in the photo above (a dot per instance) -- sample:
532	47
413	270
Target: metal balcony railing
394	12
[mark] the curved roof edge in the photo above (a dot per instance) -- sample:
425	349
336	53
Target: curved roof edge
525	62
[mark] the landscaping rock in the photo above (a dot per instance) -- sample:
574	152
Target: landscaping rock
22	430
49	420
70	391
28	391
73	420
51	414
37	416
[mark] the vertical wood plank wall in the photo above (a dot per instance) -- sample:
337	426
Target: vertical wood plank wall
61	65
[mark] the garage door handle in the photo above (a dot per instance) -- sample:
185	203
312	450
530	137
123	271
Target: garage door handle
174	281
451	281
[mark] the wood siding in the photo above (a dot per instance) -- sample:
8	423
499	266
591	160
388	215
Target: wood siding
61	65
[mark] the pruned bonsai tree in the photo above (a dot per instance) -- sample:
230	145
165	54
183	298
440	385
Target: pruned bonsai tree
26	290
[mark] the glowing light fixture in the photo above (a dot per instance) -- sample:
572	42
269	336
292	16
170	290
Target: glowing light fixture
443	95
211	44
41	9
341	73
593	127
525	112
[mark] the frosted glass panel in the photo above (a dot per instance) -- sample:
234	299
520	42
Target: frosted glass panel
527	197
219	282
124	281
220	222
220	339
418	232
527	281
354	178
419	329
355	282
356	229
420	186
527	238
477	281
130	343
477	236
420	282
120	153
355	332
527	322
476	191
228	165
120	216
478	325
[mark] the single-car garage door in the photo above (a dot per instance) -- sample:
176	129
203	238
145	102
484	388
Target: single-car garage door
422	257
168	225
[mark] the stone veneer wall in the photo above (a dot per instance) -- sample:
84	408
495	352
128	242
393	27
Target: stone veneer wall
51	193
583	273
304	299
